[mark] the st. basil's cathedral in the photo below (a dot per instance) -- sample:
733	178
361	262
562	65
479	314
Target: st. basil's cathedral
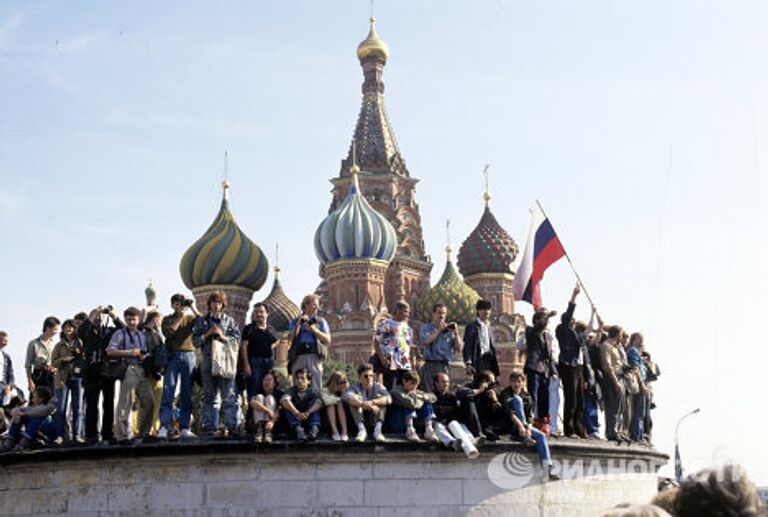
370	247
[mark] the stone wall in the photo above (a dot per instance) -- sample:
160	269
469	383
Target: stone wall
316	480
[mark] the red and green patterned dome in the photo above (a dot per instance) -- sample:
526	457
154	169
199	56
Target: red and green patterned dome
488	249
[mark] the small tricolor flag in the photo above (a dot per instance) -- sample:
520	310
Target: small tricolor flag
542	249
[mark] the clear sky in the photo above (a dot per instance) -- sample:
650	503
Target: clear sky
641	126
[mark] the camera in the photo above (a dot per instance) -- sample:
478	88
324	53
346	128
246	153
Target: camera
107	309
311	321
451	326
187	302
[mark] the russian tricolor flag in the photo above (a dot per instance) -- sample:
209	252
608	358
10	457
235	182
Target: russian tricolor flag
542	249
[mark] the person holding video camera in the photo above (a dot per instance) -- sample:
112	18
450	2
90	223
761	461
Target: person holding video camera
440	340
99	379
69	361
310	337
177	329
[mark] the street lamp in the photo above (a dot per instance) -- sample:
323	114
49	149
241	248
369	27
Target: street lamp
678	463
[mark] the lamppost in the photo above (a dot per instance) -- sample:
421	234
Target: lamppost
678	463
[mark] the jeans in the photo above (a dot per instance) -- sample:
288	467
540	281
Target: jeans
542	447
180	365
313	420
314	365
94	386
554	403
399	415
259	367
73	389
538	388
591	423
218	392
638	415
32	426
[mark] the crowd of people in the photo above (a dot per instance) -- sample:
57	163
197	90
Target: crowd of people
73	369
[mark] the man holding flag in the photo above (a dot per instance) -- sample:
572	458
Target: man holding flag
542	249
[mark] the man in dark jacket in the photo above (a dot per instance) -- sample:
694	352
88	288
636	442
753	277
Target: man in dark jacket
572	340
540	366
95	335
479	350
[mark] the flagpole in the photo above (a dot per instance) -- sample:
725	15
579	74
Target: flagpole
568	258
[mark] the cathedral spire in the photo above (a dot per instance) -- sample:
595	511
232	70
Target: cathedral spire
377	150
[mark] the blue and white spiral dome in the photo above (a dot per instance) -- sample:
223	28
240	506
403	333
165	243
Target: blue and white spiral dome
355	231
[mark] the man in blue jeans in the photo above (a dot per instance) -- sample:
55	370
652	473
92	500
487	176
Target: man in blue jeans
302	406
522	430
35	419
410	404
635	360
177	329
540	365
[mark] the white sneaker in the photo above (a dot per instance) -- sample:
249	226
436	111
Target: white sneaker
336	437
344	437
186	433
162	434
379	437
362	434
411	436
430	435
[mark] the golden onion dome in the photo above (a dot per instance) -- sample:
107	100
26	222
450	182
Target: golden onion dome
372	47
224	255
459	299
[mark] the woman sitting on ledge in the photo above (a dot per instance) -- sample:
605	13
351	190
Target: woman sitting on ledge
264	411
332	395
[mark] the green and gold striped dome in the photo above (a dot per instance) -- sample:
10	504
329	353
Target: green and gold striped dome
224	255
451	291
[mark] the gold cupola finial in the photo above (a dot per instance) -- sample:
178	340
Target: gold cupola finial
277	260
373	47
487	194
225	181
448	248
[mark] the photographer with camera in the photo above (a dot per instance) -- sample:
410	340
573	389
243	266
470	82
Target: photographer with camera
99	380
69	361
40	372
177	329
310	337
129	345
440	340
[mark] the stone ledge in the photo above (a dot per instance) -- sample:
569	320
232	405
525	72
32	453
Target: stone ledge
597	449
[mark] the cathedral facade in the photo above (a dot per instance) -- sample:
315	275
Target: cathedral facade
370	246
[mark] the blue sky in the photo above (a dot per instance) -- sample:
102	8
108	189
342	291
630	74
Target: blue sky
641	127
